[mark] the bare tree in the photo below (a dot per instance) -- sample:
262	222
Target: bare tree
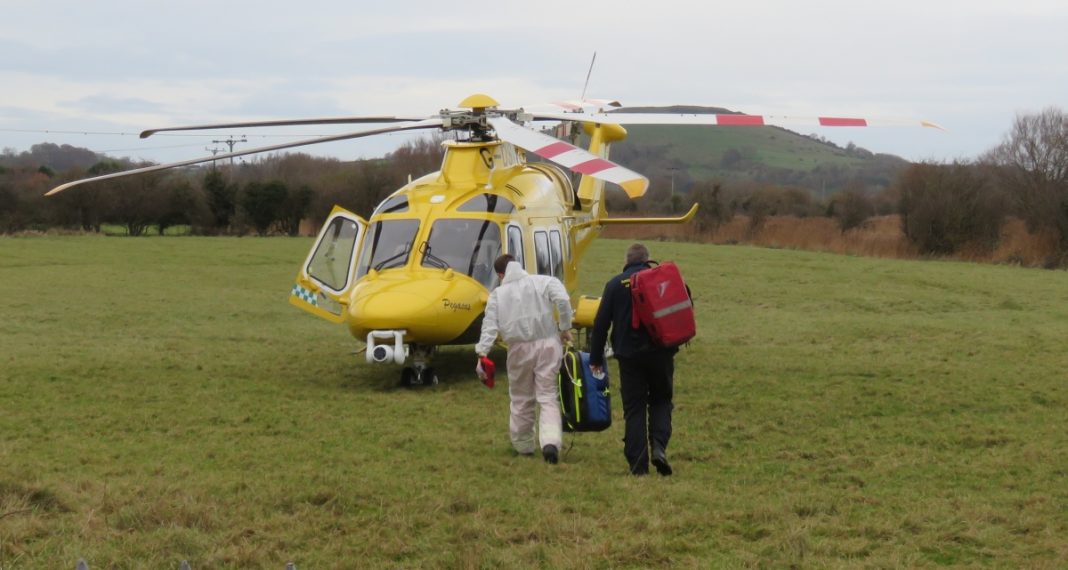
418	157
1032	167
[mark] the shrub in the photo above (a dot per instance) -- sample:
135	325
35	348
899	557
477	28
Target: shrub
714	210
850	209
946	208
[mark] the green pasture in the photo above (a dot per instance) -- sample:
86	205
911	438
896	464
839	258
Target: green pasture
161	401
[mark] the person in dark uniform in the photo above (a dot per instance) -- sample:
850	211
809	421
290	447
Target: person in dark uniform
646	371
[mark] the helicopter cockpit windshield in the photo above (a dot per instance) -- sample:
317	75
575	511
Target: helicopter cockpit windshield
388	244
468	246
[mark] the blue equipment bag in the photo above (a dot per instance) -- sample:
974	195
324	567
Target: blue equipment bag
585	401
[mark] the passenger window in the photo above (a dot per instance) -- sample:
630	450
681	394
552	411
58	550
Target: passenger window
515	244
541	253
557	254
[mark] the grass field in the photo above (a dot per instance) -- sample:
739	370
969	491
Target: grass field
160	401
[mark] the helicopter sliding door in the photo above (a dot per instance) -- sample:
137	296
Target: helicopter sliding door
328	273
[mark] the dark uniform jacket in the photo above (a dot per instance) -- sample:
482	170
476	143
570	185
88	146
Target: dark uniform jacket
615	311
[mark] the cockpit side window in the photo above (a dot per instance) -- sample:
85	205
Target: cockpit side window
393	205
468	246
387	244
490	203
332	260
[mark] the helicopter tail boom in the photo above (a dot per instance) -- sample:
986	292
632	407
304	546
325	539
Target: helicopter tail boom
665	220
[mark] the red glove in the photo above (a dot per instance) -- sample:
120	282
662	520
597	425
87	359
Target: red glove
485	369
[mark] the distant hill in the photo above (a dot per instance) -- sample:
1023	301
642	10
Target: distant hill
771	155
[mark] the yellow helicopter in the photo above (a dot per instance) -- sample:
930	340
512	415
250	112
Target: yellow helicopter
417	274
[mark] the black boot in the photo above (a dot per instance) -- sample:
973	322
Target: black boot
551	455
660	460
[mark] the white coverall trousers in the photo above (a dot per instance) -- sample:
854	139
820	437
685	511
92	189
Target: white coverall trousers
532	370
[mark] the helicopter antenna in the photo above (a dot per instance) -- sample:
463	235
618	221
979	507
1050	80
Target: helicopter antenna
588	74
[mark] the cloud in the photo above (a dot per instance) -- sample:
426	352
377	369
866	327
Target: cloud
105	104
129	64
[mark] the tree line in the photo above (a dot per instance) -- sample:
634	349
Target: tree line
270	195
944	207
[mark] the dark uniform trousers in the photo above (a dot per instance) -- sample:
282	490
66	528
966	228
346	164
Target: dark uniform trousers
645	382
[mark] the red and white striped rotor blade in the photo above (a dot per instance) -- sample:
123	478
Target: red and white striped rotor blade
570	156
733	120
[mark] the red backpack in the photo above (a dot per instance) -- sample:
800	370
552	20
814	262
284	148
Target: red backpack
662	305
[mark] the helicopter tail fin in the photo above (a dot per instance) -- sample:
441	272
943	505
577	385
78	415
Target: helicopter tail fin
590	164
591	189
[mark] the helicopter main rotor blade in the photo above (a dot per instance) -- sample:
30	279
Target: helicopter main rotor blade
733	120
570	156
424	124
584	104
285	123
571	106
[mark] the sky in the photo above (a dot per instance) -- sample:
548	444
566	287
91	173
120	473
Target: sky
72	69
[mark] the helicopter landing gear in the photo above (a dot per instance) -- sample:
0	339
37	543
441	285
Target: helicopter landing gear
420	374
411	377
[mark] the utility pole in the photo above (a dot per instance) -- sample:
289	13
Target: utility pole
231	142
672	199
214	151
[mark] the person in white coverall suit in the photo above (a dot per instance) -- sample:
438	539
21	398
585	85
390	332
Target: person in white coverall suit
520	310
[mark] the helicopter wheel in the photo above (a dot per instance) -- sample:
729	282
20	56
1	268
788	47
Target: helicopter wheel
409	377
427	377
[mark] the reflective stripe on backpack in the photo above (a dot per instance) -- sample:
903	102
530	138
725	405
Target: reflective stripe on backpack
573	371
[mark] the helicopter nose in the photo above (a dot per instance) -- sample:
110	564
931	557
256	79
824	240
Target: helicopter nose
435	307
